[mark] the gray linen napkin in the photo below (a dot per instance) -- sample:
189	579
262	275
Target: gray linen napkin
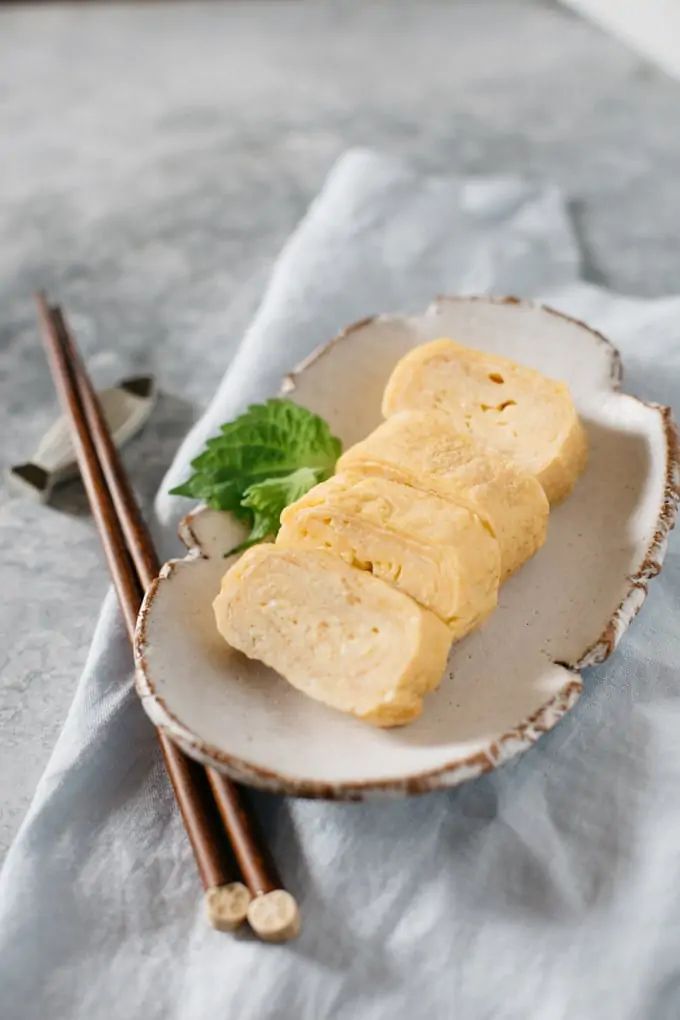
549	889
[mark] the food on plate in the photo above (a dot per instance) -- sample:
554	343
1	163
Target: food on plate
425	450
266	458
340	635
440	554
520	413
377	569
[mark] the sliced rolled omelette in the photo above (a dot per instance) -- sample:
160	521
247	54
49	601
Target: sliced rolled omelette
425	451
440	554
338	634
516	410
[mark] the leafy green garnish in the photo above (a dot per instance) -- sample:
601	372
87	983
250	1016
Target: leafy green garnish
267	458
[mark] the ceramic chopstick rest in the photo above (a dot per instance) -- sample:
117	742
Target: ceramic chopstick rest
126	406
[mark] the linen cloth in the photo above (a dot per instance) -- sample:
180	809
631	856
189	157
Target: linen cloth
548	889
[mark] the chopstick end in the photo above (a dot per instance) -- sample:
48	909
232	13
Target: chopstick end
274	916
227	905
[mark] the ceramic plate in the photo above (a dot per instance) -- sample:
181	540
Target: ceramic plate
505	684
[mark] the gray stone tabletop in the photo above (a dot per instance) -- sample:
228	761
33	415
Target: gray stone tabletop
153	160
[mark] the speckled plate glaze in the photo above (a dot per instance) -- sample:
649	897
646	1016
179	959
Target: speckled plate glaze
507	683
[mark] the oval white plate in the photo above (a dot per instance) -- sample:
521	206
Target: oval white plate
505	684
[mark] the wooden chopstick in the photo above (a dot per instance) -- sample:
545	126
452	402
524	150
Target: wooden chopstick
133	564
257	866
214	864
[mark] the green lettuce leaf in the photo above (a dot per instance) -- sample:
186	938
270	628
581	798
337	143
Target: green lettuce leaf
268	499
268	457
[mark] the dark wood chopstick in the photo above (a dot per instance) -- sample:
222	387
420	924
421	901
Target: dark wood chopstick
133	564
256	864
259	872
216	867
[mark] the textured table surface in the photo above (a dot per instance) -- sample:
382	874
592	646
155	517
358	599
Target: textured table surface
155	158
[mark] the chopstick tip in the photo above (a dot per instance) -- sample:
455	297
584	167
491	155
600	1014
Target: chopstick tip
40	298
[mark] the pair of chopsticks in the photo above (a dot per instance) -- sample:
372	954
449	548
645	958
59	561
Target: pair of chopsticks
217	818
